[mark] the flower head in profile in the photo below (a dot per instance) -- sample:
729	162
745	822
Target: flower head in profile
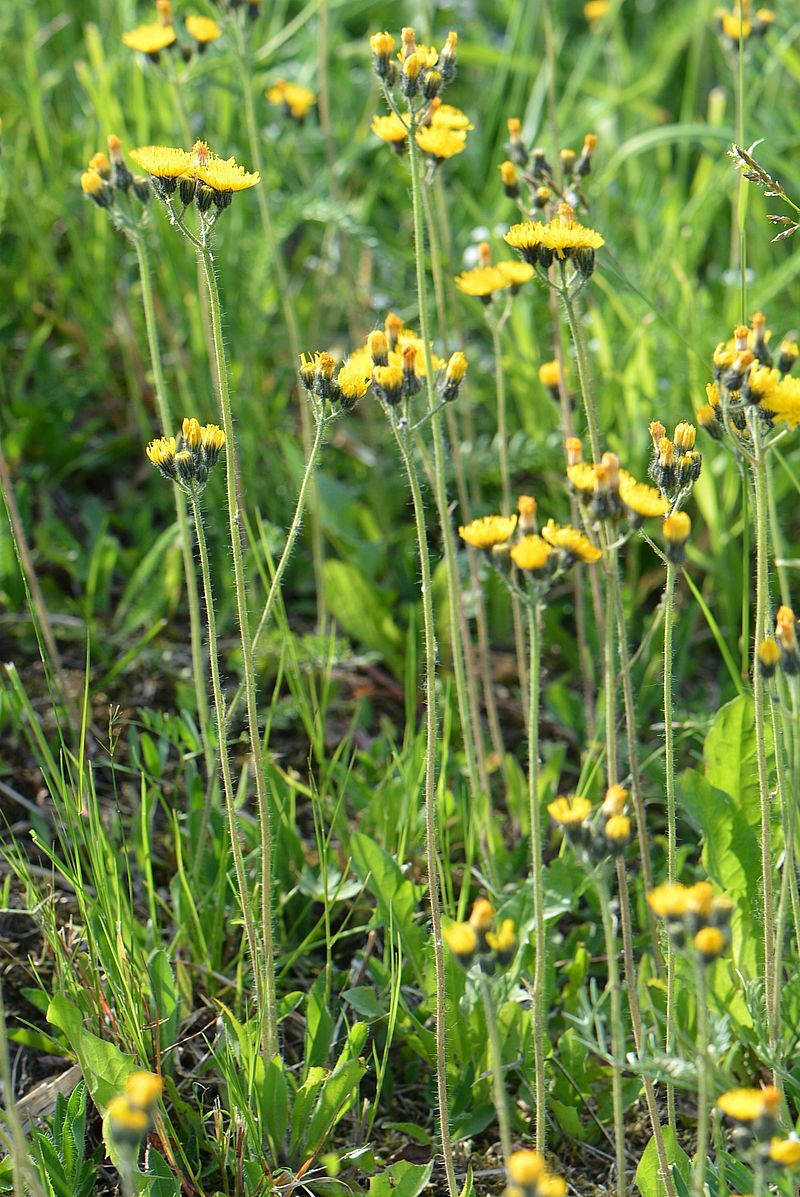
447	116
595	10
165	165
297	101
481	282
353	382
562	238
570	811
441	143
222	175
750	1105
641	500
488	531
149	39
203	30
571	541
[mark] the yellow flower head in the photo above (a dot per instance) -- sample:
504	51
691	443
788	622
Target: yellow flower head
462	941
562	238
748	1105
514	274
503	942
149	39
203	30
353	381
551	1186
212	439
618	830
700	899
125	1118
481	917
440	142
615	801
526	1168
144	1088
570	812
481	282
163	162
784	402
595	10
710	942
642	500
488	531
785	1151
389	128
161	453
769	655
531	553
571	541
381	44
447	116
296	99
99	162
676	528
550	375
669	901
582	476
223	175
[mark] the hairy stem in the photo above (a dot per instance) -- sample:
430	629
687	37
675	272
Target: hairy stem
617	1031
498	1086
539	1013
669	767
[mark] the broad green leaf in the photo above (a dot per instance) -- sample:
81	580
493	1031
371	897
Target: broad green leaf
648	1180
402	1179
363	611
105	1068
394	894
165	999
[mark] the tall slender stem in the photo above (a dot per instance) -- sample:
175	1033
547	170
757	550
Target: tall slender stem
224	758
167	427
669	767
699	1170
589	406
617	1031
760	631
275	256
431	856
498	1087
270	1022
632	992
439	473
288	548
609	659
539	1013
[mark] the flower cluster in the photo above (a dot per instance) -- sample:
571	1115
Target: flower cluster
419	73
296	100
544	185
130	1113
676	464
107	179
541	555
749	376
782	648
344	387
694	914
161	35
561	239
607	492
529	1176
394	358
754	1115
482	940
596	832
188	458
735	26
196	174
486	279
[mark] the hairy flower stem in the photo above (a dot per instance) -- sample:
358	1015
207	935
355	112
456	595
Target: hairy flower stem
224	758
498	1086
617	1030
582	362
431	856
761	629
269	1011
669	767
632	992
439	473
609	657
539	1012
703	1087
508	507
167	426
274	254
288	548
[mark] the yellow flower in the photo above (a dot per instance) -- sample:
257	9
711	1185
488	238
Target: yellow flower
297	100
669	901
582	476
618	829
503	942
353	381
710	942
381	44
440	142
144	1088
515	274
531	553
389	128
447	116
462	941
212	438
615	801
551	1186
784	402
570	812
488	531
595	10
550	374
732	27
203	29
571	541
428	56
149	39
562	238
96	188
481	282
642	500
785	1151
126	1118
163	162
769	655
481	917
99	162
748	1105
161	453
223	175
676	529
526	1167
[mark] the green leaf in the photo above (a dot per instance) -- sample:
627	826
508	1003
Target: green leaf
364	1001
275	1106
163	1181
363	611
337	1094
105	1068
394	894
164	997
401	1180
648	1182
319	1025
